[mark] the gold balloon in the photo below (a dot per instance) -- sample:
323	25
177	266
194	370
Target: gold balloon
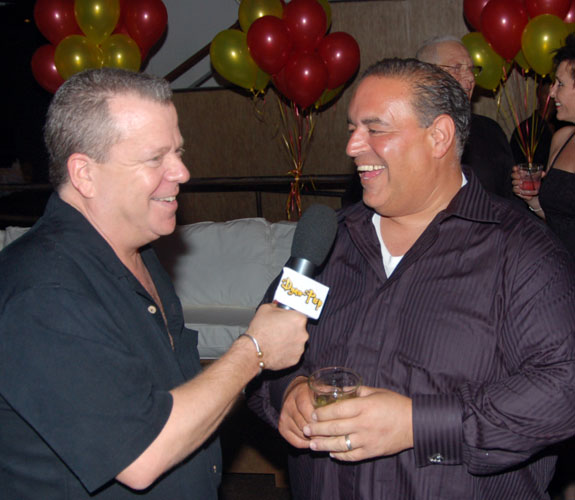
328	96
231	58
76	53
483	55
520	59
327	9
121	51
261	81
97	18
541	37
250	10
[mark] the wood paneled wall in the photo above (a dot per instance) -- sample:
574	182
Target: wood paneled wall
228	134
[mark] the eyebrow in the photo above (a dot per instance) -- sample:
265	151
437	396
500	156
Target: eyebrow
369	121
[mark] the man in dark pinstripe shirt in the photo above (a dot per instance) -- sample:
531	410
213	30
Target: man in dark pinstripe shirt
457	310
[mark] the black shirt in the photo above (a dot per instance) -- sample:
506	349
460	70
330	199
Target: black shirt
86	366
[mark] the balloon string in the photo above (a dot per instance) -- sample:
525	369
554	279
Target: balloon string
520	97
298	126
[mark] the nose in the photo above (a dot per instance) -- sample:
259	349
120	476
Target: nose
177	171
553	90
467	74
356	144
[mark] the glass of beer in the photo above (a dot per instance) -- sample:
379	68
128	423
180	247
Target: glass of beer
333	384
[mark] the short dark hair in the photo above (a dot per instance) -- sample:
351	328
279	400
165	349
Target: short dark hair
566	53
79	120
435	92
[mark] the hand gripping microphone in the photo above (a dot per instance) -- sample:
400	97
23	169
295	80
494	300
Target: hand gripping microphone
312	241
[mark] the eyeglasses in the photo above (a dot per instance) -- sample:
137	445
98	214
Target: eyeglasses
460	69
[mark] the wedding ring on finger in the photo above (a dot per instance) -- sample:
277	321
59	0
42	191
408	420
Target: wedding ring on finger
348	442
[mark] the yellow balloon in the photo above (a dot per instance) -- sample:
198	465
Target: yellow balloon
250	10
261	81
483	55
520	59
76	53
231	58
328	96
327	8
97	18
541	37
121	51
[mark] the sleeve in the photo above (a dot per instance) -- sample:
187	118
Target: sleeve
69	376
497	424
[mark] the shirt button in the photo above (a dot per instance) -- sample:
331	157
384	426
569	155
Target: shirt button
436	458
152	309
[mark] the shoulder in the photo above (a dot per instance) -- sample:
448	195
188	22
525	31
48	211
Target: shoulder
38	260
486	123
562	135
525	239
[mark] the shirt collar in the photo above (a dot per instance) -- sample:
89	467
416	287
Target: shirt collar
81	235
471	202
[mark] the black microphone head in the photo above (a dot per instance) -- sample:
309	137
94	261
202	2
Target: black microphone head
314	234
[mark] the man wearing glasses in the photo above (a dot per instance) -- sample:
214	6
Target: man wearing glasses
487	151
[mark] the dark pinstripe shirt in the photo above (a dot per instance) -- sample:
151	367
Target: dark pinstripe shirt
477	325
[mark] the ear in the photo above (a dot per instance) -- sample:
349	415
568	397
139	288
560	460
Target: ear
80	172
442	135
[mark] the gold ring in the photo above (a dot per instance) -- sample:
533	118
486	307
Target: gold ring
348	442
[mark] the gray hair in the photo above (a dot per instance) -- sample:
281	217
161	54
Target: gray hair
79	120
434	92
427	52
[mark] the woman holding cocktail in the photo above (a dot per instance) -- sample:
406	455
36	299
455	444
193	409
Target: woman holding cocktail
555	200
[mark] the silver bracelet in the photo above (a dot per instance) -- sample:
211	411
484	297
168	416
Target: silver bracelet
260	354
534	209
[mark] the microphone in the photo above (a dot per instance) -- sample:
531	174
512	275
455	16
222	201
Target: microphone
313	238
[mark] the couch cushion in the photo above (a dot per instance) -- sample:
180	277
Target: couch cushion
11	233
220	271
225	263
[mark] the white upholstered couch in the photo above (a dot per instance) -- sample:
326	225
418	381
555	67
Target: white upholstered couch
220	270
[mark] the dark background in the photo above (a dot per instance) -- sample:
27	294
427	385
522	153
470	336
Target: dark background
23	101
23	105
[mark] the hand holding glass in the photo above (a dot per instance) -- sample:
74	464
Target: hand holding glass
530	175
333	384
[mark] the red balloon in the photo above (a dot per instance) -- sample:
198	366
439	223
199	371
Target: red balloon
146	21
56	20
570	16
502	24
305	78
307	22
558	8
269	43
279	80
472	10
121	28
340	54
44	68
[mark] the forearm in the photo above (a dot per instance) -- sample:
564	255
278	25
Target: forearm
535	207
198	408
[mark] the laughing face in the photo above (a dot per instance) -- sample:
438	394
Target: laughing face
563	91
390	148
135	190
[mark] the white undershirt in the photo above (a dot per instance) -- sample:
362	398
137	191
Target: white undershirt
390	262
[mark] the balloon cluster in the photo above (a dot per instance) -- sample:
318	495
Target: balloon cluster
525	32
94	33
287	43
